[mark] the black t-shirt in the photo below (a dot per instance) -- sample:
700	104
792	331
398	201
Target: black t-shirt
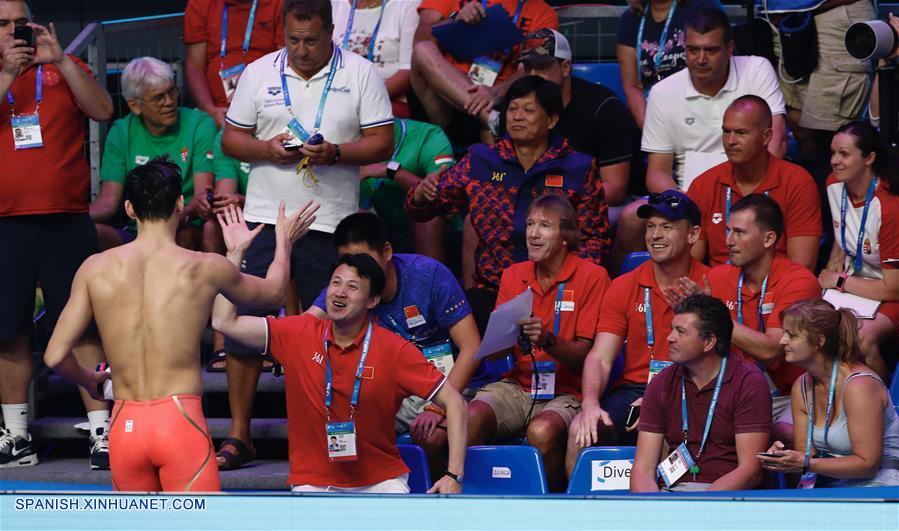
599	124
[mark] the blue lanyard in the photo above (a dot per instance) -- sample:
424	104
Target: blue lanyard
861	228
727	200
811	408
708	419
399	329
657	59
335	60
761	301
357	384
247	34
396	150
650	334
558	320
38	92
374	34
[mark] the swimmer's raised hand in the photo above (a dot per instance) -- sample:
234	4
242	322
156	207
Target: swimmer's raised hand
234	230
293	228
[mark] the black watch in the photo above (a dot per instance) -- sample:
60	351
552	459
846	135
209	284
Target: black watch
392	167
458	479
550	341
336	155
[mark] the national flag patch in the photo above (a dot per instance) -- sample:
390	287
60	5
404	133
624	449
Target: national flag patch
184	154
555	181
209	155
440	160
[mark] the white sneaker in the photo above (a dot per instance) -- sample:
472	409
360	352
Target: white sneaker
16	451
100	449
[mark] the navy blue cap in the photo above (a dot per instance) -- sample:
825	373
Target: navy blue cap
672	205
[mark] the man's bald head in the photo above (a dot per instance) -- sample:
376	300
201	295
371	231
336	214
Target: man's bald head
756	107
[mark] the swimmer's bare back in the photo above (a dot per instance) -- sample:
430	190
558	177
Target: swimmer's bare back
151	300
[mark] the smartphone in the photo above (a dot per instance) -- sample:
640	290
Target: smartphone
768	454
291	145
210	197
315	139
633	415
24	33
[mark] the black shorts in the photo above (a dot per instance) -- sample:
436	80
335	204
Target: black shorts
48	248
310	262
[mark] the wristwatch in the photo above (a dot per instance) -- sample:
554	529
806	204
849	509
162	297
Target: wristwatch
841	281
336	155
550	341
458	479
392	167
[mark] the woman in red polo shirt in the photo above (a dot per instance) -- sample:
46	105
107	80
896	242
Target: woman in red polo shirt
862	193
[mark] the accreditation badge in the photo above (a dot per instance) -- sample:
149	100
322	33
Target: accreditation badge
543	381
413	316
567	302
26	132
230	77
807	481
673	467
441	355
341	440
655	367
484	71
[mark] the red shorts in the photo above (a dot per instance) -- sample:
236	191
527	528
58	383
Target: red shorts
162	445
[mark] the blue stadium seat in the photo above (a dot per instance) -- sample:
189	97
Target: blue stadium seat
602	469
894	387
606	74
419	476
633	260
504	470
405	438
490	371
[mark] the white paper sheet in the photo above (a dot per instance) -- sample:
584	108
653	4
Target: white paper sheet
697	162
502	332
864	308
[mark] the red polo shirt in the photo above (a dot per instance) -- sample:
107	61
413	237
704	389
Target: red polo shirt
394	370
624	314
203	23
744	406
535	14
585	285
54	178
790	186
788	283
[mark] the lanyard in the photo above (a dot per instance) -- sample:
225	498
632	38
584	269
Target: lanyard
357	384
657	59
321	104
761	301
708	419
558	320
399	145
399	329
247	34
811	409
374	34
650	334
38	92
861	228
727	199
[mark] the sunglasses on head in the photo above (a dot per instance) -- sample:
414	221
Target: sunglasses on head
672	201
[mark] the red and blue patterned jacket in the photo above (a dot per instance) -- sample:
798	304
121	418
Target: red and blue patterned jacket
490	183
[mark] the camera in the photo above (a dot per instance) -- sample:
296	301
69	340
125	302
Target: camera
871	40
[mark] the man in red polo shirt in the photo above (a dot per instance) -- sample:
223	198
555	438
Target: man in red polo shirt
567	293
712	409
345	379
221	37
757	273
450	89
672	226
751	168
45	230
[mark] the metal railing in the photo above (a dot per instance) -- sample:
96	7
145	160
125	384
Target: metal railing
107	47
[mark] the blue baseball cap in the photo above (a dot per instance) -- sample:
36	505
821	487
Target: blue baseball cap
672	205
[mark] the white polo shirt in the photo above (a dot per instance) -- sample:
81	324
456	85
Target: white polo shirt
358	100
680	120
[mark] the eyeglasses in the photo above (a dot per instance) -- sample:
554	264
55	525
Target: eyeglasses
672	201
159	99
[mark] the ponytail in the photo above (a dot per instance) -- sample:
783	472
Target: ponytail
849	345
839	328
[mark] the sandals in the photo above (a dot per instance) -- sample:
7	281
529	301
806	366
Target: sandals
218	357
233	461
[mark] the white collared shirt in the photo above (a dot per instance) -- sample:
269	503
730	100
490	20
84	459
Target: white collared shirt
358	100
680	119
393	44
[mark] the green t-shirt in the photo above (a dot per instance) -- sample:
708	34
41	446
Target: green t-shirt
188	144
424	150
227	168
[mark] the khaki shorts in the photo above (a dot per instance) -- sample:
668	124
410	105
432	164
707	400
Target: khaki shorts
510	403
837	91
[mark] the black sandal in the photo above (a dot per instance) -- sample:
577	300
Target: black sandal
234	461
219	356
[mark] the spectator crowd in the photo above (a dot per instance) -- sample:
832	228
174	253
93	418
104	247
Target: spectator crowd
697	287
